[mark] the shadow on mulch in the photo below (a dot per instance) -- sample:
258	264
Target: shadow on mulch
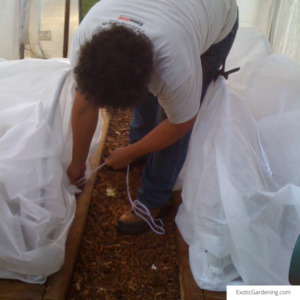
111	265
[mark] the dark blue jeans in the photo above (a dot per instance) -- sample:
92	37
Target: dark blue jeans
163	167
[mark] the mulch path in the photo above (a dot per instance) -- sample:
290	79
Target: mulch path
111	265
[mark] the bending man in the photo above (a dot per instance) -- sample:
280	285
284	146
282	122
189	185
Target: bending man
159	58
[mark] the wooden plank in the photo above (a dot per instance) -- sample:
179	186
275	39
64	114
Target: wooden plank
17	290
189	290
57	285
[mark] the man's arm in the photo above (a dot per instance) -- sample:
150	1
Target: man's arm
162	136
84	122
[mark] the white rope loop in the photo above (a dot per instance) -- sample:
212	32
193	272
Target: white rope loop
139	208
143	212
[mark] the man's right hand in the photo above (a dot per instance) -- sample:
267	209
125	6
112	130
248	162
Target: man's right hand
75	173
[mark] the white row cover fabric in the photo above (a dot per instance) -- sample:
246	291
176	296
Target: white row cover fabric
241	186
37	203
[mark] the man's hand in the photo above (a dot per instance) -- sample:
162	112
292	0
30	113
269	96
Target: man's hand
75	173
162	136
119	158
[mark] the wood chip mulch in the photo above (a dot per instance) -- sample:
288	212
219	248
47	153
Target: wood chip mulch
111	265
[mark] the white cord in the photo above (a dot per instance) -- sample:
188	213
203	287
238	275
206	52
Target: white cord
266	162
91	172
156	225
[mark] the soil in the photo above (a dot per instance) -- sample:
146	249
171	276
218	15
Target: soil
111	265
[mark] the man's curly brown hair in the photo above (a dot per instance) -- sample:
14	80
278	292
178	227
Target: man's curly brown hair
114	67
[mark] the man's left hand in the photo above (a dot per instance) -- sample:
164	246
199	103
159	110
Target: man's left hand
119	158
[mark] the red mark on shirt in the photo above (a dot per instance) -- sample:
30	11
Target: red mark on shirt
124	18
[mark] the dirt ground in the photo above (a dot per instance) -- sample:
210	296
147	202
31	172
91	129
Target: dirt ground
111	265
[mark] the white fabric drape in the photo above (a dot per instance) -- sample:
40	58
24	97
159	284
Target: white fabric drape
37	203
241	186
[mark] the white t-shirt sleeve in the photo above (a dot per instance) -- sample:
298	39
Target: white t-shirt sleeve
75	49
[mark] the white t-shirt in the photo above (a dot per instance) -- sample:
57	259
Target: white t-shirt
180	30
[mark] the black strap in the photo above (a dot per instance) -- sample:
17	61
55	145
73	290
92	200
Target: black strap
223	73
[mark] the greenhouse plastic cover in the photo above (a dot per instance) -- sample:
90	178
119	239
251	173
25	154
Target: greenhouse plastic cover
241	182
37	203
37	25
